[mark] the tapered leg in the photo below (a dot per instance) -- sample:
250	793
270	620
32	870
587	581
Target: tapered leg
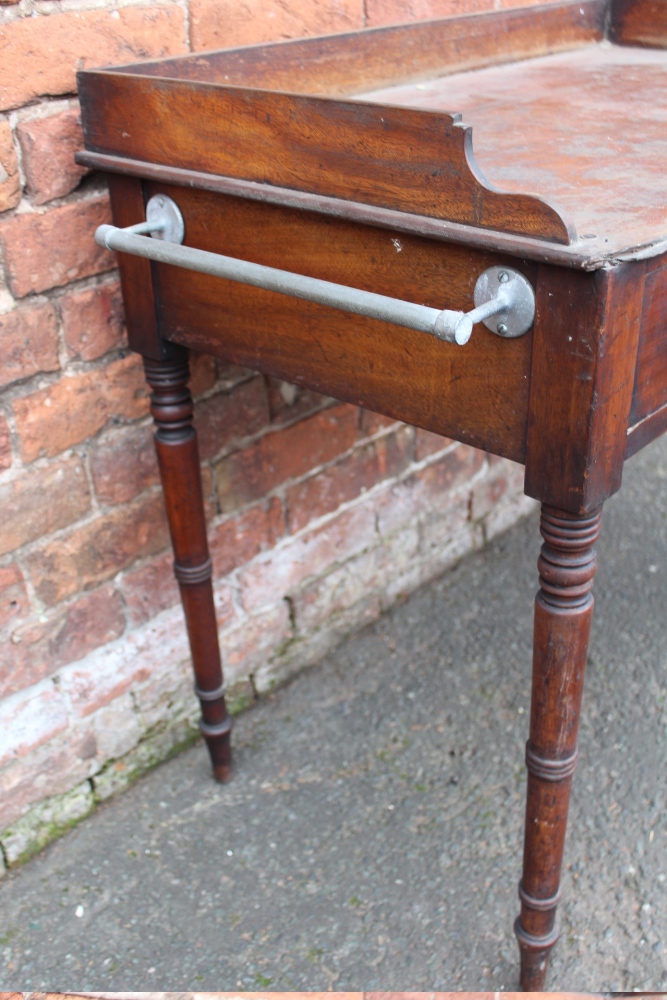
178	459
563	612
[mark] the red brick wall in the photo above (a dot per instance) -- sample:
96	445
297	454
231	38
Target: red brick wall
310	501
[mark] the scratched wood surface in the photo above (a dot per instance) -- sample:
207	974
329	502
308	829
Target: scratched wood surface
398	158
586	128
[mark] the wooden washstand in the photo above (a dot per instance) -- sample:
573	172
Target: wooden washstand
315	157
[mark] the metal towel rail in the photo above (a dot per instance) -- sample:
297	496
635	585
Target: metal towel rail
504	299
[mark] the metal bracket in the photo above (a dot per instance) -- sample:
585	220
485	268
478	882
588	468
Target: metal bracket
504	299
497	283
165	217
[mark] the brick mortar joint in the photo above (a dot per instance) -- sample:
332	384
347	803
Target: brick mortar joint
97	511
281	490
277	427
88	283
19	469
41	109
75	717
95	188
22	388
453	496
230	580
92	514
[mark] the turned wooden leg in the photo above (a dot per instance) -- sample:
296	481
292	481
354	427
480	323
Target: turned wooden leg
563	612
178	459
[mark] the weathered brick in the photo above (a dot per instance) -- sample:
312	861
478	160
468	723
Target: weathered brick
76	407
123	463
135	659
427	443
167	695
210	505
221	23
397	11
441	524
115	729
29	338
41	55
360	471
230	375
289	402
255	640
237	540
249	474
48	146
203	373
279	572
356	584
14	601
42	501
52	769
228	416
508	512
443	550
96	551
370	423
425	488
503	478
29	719
37	648
151	589
225	608
10	182
5	445
93	321
52	248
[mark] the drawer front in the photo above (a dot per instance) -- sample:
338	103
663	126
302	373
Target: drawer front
477	393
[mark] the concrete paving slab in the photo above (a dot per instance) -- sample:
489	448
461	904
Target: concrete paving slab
371	837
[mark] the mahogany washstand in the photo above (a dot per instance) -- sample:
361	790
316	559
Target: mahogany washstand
313	157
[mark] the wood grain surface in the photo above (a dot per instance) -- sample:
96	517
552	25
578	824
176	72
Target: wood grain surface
127	208
550	131
398	158
180	474
563	614
344	64
584	351
477	393
639	22
650	388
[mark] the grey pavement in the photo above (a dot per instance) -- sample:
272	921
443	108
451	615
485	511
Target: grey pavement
371	837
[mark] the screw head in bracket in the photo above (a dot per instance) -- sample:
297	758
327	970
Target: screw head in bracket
516	317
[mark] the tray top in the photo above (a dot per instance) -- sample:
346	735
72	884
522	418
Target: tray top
559	154
587	129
